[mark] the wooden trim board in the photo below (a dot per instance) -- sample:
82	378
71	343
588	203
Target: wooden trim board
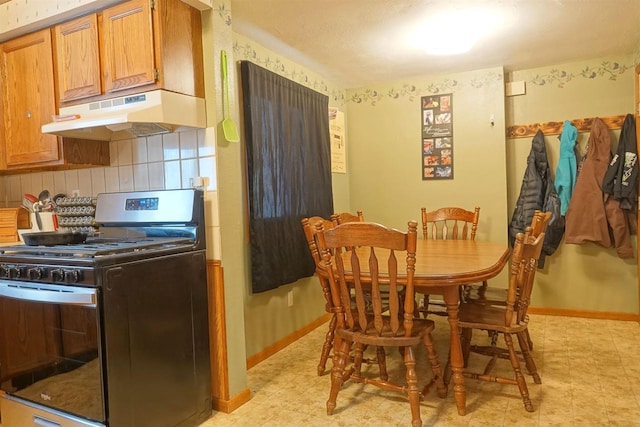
217	333
588	314
279	345
230	405
555	128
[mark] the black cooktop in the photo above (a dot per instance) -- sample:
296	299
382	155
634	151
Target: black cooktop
100	247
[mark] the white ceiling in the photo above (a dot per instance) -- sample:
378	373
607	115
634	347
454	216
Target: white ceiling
355	43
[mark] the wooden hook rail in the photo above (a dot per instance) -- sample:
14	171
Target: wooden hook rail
555	128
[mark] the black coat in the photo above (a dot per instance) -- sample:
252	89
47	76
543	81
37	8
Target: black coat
621	178
538	193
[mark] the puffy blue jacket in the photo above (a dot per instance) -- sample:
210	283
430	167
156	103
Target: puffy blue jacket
567	169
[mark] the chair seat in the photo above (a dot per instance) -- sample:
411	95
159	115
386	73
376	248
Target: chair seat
481	316
387	337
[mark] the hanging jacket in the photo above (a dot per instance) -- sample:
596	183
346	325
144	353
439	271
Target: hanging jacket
538	193
594	216
567	170
621	178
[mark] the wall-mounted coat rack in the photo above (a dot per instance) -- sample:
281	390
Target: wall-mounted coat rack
555	128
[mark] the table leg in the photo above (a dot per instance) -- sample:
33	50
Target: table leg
451	298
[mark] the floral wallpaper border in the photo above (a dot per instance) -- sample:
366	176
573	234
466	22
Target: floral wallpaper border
223	9
412	91
274	63
605	69
608	69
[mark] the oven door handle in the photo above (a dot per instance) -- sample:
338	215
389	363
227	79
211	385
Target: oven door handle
48	293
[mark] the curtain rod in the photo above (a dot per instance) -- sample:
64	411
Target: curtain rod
555	128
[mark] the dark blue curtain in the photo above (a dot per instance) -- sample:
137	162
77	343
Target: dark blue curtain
288	171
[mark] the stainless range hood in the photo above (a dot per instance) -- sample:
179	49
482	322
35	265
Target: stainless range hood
143	114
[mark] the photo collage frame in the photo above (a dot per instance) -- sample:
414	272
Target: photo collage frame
437	136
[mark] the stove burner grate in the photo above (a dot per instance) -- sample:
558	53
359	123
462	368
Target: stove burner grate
99	247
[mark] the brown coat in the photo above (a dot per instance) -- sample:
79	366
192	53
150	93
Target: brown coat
593	216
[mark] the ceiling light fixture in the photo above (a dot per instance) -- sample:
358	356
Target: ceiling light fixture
456	31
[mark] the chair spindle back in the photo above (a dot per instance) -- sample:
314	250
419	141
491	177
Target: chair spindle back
345	249
450	223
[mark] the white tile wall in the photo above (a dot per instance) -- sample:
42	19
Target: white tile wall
189	145
207	142
154	149
98	184
172	175
139	147
156	175
125	176
141	177
171	146
111	179
124	152
71	180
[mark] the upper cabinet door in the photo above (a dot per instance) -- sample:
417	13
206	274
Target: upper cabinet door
77	58
26	73
127	46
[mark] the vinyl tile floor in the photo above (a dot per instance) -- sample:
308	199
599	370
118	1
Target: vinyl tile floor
590	372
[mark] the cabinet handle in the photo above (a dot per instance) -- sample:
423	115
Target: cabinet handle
28	114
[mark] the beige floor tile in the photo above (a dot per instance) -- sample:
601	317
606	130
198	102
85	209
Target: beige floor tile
587	380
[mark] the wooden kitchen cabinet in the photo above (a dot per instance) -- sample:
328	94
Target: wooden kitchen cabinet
29	101
146	45
77	58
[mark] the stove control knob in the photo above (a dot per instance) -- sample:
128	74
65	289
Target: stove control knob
4	270
57	275
36	273
15	272
72	276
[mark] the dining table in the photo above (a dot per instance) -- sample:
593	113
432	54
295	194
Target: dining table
441	268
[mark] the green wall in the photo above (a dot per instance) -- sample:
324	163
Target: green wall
385	150
577	277
217	36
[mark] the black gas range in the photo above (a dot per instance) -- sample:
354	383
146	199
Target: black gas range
112	331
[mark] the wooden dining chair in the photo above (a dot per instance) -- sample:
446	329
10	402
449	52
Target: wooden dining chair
508	320
342	217
309	227
491	295
484	294
378	248
448	223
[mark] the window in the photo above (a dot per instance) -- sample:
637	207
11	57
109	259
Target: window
288	172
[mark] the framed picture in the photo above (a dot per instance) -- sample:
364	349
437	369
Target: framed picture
437	136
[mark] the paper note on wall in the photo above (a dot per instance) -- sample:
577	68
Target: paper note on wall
338	149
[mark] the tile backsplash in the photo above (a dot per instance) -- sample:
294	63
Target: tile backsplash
158	162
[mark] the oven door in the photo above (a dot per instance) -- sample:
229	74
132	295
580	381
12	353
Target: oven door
49	348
